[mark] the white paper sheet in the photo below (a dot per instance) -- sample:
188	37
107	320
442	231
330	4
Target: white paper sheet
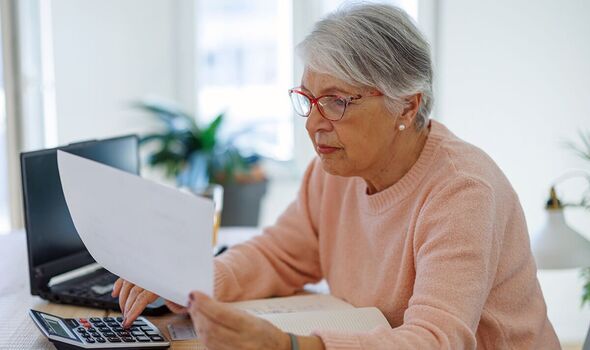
346	320
154	236
297	303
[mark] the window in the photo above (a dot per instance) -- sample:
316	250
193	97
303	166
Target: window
4	212
244	68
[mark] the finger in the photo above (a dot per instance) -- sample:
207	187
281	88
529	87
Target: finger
214	335
133	293
175	308
124	294
143	299
117	288
220	313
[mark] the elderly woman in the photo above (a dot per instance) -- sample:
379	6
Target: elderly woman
395	212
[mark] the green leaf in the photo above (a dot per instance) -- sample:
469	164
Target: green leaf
209	134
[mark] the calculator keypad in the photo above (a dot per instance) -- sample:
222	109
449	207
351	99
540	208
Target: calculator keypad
109	329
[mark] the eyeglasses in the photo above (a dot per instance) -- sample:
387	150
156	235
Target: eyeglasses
331	107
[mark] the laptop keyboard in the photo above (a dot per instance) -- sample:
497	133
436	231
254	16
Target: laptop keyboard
97	285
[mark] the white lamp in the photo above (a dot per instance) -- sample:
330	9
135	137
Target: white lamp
556	245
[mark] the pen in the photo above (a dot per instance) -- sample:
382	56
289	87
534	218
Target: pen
221	249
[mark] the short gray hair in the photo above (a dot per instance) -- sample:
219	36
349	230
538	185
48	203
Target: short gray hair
376	46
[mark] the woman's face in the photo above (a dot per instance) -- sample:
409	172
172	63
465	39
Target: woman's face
359	144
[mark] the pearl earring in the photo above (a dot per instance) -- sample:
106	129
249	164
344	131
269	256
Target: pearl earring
401	127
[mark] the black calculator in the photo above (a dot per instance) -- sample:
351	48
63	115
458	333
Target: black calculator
98	332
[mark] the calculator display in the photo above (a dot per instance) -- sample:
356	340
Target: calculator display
57	328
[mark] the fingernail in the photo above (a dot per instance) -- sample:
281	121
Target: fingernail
191	297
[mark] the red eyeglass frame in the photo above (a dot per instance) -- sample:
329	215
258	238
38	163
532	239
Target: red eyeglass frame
314	101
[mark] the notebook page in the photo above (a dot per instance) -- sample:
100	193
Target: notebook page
298	303
345	320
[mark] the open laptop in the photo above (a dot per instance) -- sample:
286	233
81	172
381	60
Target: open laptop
61	270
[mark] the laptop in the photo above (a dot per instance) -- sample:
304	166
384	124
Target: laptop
61	269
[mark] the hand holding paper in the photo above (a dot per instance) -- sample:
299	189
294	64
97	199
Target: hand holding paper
151	235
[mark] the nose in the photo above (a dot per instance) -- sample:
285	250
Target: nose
316	122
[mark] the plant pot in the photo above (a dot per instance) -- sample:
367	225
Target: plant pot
241	203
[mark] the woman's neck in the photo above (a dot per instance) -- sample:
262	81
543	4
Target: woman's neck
406	149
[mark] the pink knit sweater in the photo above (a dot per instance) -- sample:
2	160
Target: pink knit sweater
444	254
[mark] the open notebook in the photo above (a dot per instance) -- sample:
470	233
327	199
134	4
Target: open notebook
303	314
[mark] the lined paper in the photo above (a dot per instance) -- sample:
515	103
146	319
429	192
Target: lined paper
298	303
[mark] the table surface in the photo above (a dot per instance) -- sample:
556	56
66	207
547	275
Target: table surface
17	330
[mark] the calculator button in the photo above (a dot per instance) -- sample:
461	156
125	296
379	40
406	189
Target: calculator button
139	323
156	338
151	333
136	333
95	319
80	330
109	334
114	339
117	329
142	338
108	319
99	324
100	340
146	328
104	329
120	319
90	340
83	320
128	339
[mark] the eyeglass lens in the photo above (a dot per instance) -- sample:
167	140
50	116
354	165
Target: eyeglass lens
331	107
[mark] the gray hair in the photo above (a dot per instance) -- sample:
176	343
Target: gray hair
377	46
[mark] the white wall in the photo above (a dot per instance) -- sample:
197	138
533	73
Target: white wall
109	53
514	79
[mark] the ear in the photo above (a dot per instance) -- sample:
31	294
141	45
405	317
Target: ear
411	107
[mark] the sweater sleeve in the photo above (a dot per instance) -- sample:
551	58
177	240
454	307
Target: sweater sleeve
456	252
278	262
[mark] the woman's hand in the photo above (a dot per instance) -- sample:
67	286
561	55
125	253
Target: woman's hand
221	327
133	300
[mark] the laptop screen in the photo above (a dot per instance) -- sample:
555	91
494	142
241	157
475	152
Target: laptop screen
53	244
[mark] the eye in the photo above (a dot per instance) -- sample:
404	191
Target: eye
340	102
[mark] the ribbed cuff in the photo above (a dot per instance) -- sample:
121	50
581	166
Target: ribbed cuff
338	341
225	286
219	279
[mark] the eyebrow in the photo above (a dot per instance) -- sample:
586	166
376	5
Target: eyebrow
329	90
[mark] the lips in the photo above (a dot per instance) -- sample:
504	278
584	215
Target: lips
326	149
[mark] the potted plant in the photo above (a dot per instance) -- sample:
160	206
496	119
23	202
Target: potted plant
196	155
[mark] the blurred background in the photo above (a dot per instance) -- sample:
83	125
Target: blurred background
511	76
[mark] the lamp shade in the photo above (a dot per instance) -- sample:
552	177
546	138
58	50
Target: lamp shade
557	246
